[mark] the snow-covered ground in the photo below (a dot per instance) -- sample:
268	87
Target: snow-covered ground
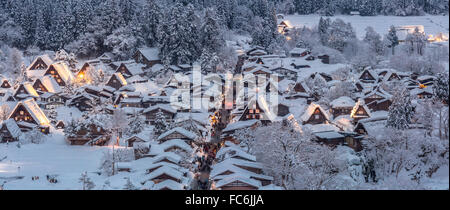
51	158
432	24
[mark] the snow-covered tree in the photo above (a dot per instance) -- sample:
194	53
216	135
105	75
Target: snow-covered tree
416	42
294	160
324	24
15	61
210	34
340	34
152	17
374	40
4	112
161	125
401	111
179	35
122	43
441	88
34	136
86	182
392	39
136	125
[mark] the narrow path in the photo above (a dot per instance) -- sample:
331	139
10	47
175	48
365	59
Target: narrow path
208	151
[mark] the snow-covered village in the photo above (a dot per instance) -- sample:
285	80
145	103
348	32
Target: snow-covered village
224	95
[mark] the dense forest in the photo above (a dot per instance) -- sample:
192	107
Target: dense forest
185	30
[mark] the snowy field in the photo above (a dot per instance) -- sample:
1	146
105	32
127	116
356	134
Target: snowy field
51	158
432	24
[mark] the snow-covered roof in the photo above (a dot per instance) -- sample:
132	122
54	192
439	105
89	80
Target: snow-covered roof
12	127
298	50
344	122
310	111
343	102
166	170
121	79
321	128
134	68
236	177
36	113
29	88
169	184
50	84
152	54
45	58
137	79
63	71
359	104
416	91
166	155
329	135
240	125
165	107
263	105
176	143
376	116
234	151
180	130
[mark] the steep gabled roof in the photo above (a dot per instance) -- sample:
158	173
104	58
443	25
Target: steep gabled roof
36	113
12	127
262	103
310	111
120	78
45	58
360	104
50	84
63	70
28	88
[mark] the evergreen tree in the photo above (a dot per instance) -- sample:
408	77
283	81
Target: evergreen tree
368	8
440	89
179	37
161	125
136	125
340	34
210	33
392	38
324	24
152	17
374	40
401	110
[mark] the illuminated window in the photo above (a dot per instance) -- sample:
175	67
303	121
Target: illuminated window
257	111
251	111
317	116
360	112
21	112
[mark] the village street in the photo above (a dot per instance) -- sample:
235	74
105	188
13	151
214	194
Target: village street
209	150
